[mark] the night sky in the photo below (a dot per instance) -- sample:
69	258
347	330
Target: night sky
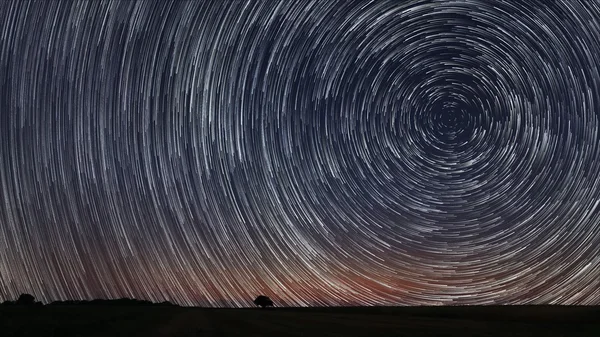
318	152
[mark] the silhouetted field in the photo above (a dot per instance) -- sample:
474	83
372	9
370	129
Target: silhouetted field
155	321
83	320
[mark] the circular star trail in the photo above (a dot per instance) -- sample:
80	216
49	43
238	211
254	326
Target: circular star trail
318	152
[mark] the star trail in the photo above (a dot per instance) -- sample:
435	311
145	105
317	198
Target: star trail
318	152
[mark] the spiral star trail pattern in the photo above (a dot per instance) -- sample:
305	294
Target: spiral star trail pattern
318	152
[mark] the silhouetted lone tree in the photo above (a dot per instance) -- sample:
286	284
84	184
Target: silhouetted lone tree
26	299
263	301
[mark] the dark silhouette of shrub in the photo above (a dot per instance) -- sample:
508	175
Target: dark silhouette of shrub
166	304
26	299
263	301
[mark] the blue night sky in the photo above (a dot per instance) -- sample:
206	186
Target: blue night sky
418	152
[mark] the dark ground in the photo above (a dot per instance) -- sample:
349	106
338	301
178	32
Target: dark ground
110	321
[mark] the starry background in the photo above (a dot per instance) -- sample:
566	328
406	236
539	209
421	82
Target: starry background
319	152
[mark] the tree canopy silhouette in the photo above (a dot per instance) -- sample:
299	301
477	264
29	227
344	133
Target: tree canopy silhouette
263	301
26	299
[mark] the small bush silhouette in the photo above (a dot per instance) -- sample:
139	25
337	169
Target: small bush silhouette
263	301
26	299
